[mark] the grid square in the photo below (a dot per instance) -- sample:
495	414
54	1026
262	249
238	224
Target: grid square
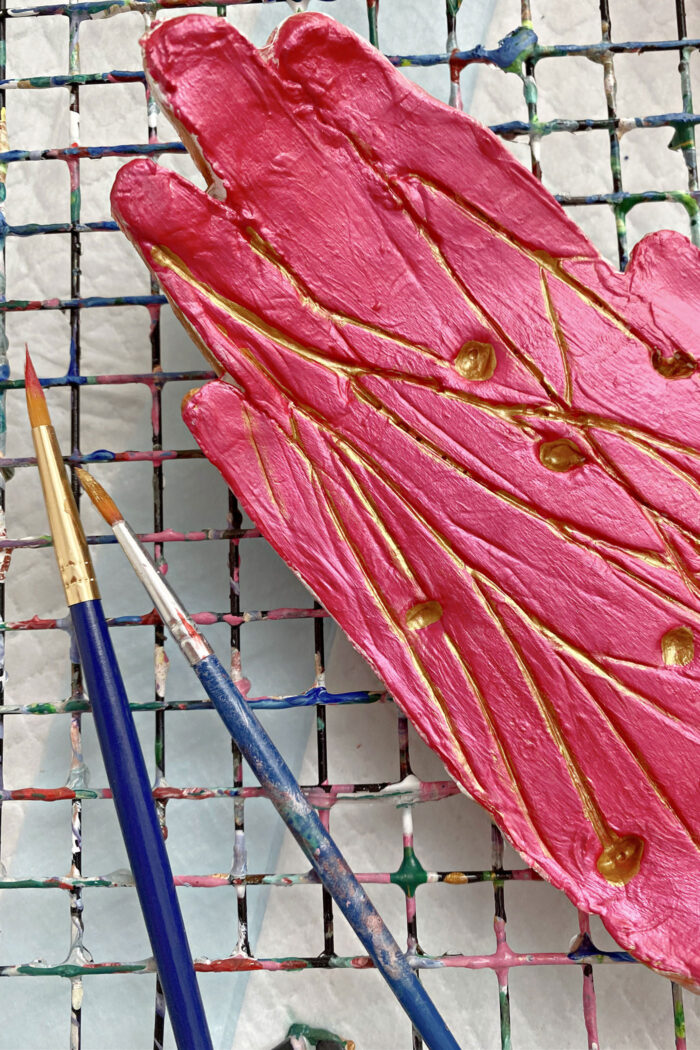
569	96
647	161
598	223
292	643
38	267
389	901
107	410
113	114
37	46
115	340
558	923
201	498
540	1013
555	24
659	22
470	931
576	164
37	192
451	988
648	83
362	744
40	1028
38	119
104	46
454	834
42	834
110	267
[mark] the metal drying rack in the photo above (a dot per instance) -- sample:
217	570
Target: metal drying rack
519	55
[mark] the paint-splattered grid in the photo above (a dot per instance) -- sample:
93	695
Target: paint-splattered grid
521	56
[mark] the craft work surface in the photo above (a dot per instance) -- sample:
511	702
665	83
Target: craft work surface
573	97
494	495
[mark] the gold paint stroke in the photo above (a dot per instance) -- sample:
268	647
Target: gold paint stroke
589	803
167	259
543	259
342	320
506	759
598	825
276	501
561	529
432	690
581	420
583	658
375	516
268	331
555	325
620	736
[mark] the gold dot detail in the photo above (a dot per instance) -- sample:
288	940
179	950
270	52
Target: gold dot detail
679	366
678	646
476	362
621	859
456	878
560	455
422	615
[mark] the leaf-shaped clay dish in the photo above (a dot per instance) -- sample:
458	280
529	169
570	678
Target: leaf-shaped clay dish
475	441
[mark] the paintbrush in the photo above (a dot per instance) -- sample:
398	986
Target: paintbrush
119	743
278	782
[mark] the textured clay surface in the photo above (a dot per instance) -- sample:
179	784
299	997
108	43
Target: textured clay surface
475	442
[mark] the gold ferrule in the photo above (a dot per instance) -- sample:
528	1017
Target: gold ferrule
69	544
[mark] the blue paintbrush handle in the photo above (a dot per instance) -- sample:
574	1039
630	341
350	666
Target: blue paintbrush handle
131	790
320	849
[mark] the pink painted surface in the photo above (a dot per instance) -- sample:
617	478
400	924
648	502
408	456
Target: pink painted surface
365	233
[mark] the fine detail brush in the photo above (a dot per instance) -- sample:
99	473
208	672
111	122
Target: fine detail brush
119	743
278	781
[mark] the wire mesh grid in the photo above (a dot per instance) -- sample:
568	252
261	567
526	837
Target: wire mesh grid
69	373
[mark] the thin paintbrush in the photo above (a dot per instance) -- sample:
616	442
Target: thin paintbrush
277	780
121	751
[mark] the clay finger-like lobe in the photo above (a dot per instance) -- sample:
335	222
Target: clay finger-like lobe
238	300
406	131
289	484
304	186
491	217
460	656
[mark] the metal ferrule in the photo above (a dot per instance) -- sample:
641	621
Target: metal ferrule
69	544
171	610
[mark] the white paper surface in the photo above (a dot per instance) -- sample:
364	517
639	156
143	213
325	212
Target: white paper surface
634	1005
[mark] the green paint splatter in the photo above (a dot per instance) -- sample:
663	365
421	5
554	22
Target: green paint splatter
315	1035
678	1011
411	874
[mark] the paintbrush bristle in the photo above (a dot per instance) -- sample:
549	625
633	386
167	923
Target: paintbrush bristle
36	402
104	502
